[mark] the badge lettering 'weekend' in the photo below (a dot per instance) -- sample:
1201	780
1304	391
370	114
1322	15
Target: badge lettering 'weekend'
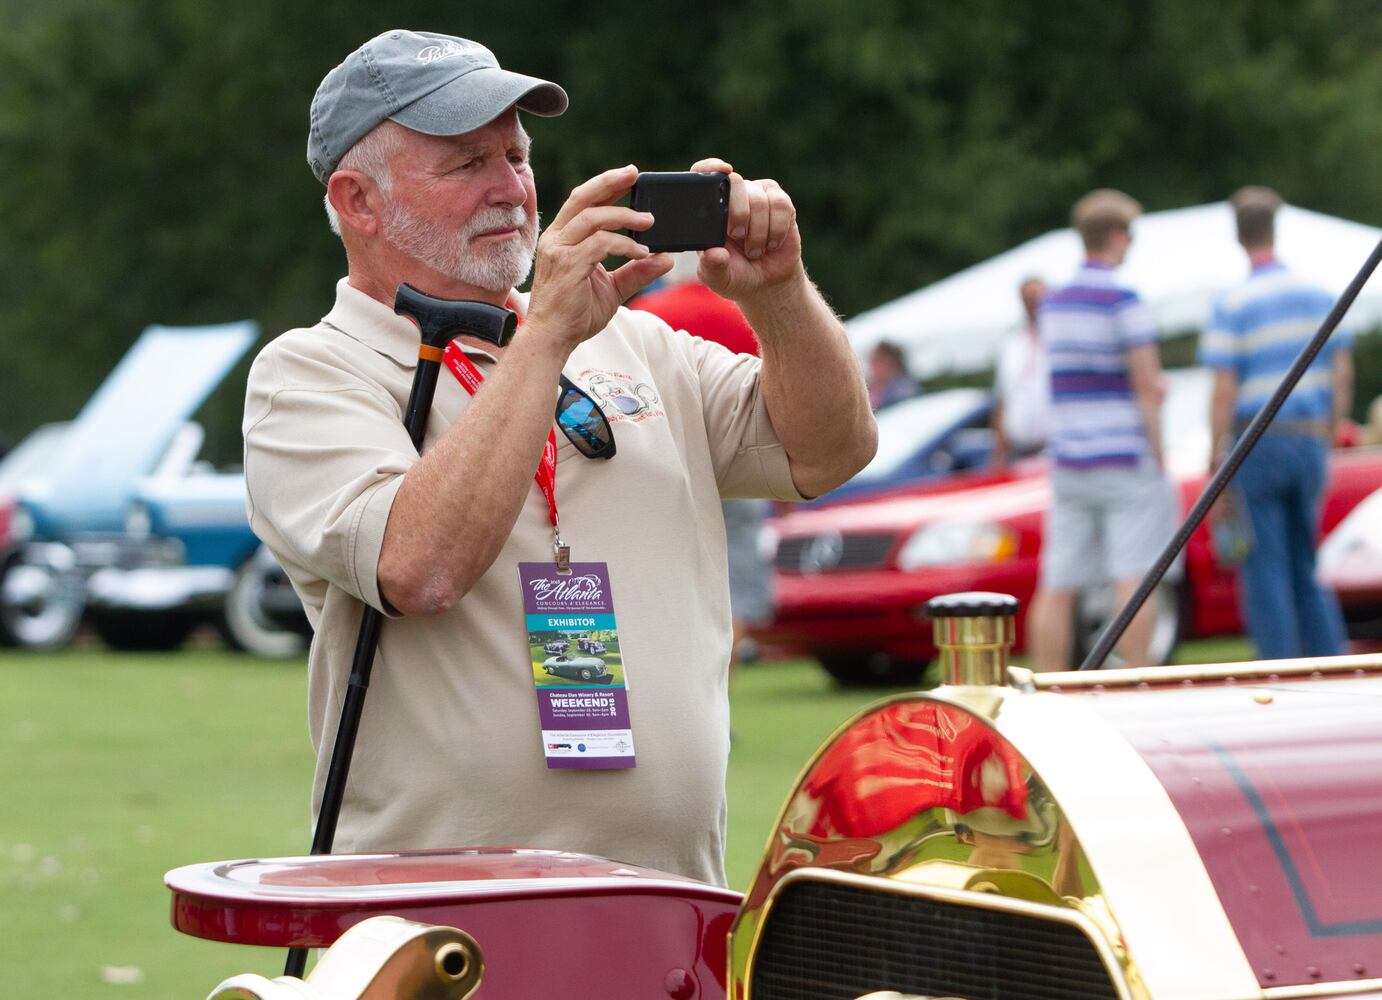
582	688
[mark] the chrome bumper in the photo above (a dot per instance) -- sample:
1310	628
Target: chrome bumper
160	588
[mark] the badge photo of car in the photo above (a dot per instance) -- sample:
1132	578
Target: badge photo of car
589	669
557	646
592	646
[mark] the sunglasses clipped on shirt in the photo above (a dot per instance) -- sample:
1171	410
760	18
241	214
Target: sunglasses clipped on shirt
582	421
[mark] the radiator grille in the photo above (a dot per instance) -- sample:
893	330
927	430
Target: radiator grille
841	552
824	941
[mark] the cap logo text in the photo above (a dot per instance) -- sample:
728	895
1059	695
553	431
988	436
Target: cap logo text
443	50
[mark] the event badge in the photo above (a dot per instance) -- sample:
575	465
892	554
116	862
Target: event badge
582	689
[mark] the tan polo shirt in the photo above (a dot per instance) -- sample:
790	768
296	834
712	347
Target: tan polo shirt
449	751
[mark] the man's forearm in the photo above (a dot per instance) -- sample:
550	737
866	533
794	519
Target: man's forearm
1341	372
458	503
1151	425
1144	374
1000	440
812	385
1221	402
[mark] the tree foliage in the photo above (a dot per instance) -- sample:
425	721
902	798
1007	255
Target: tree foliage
153	152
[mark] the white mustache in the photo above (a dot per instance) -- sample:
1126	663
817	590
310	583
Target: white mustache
491	219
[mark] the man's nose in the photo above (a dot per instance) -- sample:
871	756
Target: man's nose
508	187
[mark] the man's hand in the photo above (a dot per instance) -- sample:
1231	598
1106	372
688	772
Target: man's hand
573	295
763	249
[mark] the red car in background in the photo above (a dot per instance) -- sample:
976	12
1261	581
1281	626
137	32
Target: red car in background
853	578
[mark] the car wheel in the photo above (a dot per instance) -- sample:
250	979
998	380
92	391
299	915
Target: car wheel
585	674
41	604
243	621
872	669
1095	608
139	631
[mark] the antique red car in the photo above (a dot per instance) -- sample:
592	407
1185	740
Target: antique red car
853	578
1188	833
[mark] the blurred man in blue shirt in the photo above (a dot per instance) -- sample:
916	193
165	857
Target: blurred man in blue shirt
1257	331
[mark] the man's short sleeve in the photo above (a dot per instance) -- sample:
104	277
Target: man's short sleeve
325	453
1133	320
1219	342
748	458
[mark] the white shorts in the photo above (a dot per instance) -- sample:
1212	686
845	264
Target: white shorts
1106	525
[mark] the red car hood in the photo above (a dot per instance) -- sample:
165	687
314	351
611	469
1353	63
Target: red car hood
1000	500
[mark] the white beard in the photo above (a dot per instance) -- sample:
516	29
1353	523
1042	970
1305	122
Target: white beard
504	266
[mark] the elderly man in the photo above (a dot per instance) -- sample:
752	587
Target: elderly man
1113	508
418	140
1255	334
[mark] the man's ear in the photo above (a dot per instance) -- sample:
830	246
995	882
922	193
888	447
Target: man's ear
357	201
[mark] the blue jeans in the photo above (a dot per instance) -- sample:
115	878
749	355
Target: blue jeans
1287	612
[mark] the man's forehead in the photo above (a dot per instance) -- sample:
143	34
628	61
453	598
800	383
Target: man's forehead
506	130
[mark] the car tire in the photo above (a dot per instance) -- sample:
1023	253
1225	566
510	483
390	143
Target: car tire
872	669
50	611
141	631
242	621
585	674
1094	609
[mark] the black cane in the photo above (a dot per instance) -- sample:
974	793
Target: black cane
1115	629
439	321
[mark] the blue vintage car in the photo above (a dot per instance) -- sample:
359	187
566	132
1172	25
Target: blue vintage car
123	525
190	556
590	669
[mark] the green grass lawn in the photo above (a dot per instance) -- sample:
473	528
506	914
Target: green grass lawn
115	768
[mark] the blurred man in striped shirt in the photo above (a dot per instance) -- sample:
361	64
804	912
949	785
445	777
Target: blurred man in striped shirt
1112	507
1257	331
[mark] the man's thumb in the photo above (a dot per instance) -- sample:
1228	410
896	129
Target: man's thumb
714	264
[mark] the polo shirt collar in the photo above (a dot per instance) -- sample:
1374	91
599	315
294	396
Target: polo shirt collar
1094	272
379	328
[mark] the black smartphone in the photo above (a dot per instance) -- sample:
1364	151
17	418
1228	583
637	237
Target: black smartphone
690	210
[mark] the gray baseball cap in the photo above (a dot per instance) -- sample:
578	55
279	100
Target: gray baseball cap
436	84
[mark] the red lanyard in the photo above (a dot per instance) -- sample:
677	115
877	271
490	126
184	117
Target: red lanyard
546	476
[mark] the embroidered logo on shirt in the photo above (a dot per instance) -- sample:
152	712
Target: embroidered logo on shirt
623	397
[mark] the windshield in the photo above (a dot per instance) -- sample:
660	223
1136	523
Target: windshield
907	427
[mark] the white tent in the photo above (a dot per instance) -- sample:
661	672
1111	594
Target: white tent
1179	262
